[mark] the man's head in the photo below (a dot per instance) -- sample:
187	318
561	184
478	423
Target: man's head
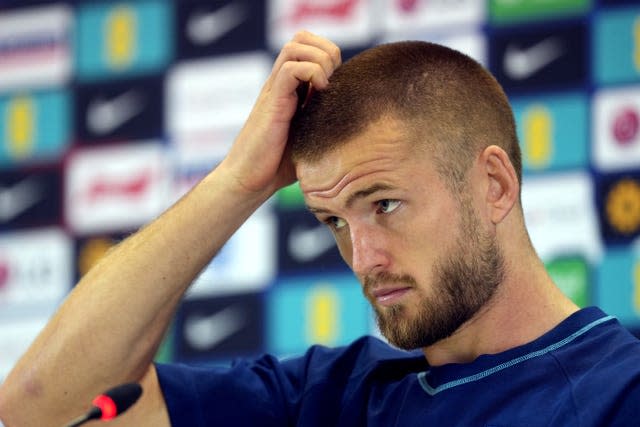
410	156
450	103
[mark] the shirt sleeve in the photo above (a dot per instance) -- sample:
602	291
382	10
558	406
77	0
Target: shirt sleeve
311	390
263	392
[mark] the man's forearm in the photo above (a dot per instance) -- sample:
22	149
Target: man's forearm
110	326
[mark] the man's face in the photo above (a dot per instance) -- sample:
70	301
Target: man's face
426	263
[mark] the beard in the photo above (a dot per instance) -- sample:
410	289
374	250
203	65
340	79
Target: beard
465	279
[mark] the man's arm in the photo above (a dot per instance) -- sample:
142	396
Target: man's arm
108	329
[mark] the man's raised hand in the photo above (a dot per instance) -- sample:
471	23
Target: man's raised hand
258	161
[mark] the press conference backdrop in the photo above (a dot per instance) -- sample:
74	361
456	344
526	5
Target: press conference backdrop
112	110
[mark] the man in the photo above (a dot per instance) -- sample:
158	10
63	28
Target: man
409	154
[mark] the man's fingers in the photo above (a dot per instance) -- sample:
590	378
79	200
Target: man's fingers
305	37
294	51
308	47
293	72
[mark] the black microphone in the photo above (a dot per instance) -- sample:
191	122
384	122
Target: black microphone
111	403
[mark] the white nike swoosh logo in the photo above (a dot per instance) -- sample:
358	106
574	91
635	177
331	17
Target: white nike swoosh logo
18	198
306	244
106	115
206	28
520	64
206	332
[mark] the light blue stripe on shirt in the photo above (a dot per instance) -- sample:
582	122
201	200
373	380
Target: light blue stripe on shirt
433	391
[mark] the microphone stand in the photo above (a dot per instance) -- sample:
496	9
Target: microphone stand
94	413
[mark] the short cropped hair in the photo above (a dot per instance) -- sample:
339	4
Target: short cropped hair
448	102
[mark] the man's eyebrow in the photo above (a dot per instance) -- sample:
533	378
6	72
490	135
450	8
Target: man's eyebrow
366	192
316	210
355	196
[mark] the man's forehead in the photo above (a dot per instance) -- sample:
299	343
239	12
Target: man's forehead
383	139
329	176
375	175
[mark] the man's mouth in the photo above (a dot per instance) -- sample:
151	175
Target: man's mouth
387	296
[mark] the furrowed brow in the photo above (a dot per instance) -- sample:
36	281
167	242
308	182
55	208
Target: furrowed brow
360	194
366	192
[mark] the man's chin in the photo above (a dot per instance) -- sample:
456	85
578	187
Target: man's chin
395	327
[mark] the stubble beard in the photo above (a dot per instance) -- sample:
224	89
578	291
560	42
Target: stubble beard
465	280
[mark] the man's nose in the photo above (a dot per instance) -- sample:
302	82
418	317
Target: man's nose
369	250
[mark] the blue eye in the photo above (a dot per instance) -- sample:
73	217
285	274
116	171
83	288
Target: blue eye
388	205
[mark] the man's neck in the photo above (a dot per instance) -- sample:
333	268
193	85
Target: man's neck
525	306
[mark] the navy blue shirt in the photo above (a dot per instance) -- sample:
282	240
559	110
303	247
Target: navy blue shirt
584	372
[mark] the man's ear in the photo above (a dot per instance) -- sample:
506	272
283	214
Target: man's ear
504	189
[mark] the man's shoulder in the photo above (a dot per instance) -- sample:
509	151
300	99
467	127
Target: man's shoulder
603	364
602	342
606	342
